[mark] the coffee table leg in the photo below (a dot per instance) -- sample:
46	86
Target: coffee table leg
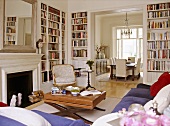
97	108
63	111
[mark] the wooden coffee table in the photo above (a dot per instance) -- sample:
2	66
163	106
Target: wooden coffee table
75	103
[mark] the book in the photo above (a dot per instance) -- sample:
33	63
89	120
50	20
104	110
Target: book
93	92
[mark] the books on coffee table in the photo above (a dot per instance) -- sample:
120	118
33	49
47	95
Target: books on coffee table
93	92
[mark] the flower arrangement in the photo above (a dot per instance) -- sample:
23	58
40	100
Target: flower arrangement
90	63
142	118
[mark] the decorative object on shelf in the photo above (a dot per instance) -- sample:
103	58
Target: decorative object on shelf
90	63
126	31
100	54
39	43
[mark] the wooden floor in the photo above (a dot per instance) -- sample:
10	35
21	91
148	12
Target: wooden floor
115	88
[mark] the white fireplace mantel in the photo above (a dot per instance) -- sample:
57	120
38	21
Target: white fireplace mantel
18	62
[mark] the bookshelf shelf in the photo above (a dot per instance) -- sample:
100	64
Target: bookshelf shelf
158	37
11	25
52	25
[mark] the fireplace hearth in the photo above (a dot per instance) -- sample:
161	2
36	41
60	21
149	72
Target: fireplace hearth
20	82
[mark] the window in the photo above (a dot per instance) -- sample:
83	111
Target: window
130	45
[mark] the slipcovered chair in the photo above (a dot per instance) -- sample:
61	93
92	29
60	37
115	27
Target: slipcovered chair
63	75
132	59
111	61
137	69
121	68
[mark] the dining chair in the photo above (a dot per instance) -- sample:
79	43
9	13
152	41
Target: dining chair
121	69
63	75
111	61
137	69
132	59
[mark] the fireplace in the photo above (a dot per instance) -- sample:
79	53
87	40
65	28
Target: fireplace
27	66
20	82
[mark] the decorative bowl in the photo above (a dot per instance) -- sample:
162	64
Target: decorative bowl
74	93
136	107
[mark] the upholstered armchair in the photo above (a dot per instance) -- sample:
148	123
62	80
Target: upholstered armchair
63	75
121	68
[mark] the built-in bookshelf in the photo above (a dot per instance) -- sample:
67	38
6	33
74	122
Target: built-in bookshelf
52	34
79	35
158	37
10	38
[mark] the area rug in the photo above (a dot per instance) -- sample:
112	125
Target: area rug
106	78
108	104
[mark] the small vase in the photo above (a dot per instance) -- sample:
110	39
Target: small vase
97	56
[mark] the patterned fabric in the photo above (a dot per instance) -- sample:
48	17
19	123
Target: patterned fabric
64	74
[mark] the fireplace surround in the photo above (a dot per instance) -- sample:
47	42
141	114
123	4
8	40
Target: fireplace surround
19	62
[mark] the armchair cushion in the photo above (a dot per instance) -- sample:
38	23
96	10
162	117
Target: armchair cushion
65	79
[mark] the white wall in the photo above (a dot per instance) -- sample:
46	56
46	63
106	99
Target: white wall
18	8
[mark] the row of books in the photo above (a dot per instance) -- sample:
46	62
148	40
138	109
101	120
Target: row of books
159	54
43	29
79	21
79	14
43	6
11	19
54	39
78	43
53	25
43	37
10	38
53	55
10	23
63	27
63	15
159	24
79	27
79	35
159	44
158	65
158	6
158	14
53	46
53	63
43	14
53	17
80	53
53	32
10	42
158	36
43	22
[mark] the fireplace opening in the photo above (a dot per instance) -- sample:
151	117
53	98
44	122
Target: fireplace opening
20	82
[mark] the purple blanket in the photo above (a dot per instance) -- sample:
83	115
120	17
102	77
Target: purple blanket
54	120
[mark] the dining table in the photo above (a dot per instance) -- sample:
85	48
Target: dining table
129	65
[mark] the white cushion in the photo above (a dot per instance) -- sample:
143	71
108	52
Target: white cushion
65	79
24	116
162	98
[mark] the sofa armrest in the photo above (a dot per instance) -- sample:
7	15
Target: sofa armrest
141	85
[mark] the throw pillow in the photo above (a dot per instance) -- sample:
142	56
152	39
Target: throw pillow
3	104
162	98
163	80
24	116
